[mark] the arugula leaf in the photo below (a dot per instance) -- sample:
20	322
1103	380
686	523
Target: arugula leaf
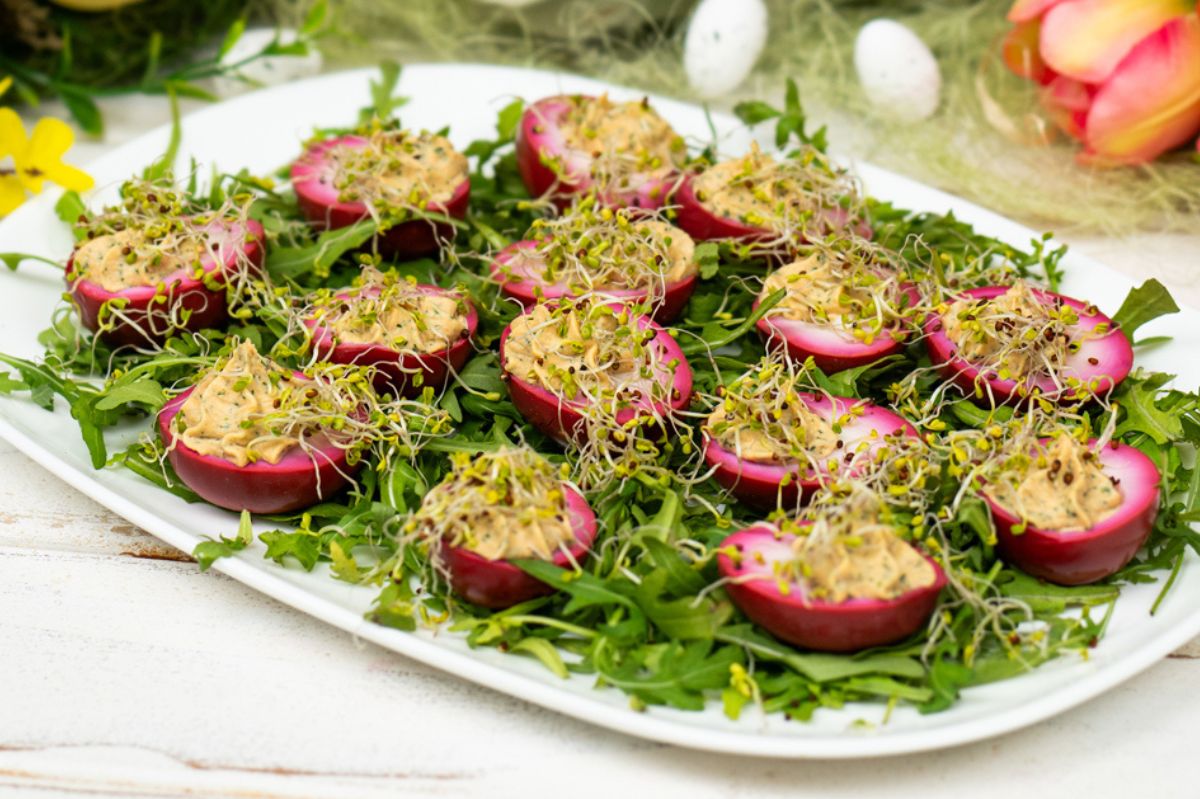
708	256
721	338
342	563
207	552
585	589
301	545
973	514
816	666
14	259
886	686
544	651
232	36
144	391
482	373
682	579
394	608
384	100
162	166
792	121
403	485
146	463
845	383
1043	597
732	703
675	673
82	108
752	112
43	384
70	209
315	19
1137	401
8	385
685	618
946	679
664	524
506	131
1143	304
320	256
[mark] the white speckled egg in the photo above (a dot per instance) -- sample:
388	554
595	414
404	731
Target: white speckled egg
897	71
266	71
723	42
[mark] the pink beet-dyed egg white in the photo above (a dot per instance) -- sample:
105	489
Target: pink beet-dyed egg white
862	428
1098	358
637	258
704	224
837	342
564	418
750	560
500	584
570	145
302	477
777	205
185	301
396	372
319	178
516	269
1085	556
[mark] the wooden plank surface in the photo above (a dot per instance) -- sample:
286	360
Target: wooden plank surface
125	671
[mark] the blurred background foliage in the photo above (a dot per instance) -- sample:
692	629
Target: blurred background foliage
983	143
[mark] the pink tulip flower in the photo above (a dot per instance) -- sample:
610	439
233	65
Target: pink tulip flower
1151	103
1122	76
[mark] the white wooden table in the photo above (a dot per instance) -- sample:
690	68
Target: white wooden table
125	671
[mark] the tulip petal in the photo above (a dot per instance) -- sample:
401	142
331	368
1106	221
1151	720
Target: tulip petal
1025	10
1020	53
1087	39
1152	102
1067	102
12	194
12	133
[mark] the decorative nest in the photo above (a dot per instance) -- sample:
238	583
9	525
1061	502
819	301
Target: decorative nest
985	142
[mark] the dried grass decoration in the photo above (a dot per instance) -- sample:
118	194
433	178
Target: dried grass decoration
987	141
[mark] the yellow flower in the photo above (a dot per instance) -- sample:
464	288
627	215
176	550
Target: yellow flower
35	159
4	84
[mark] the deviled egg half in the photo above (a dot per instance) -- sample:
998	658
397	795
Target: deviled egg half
1004	344
159	265
840	578
412	334
497	507
624	152
640	258
593	360
774	204
402	179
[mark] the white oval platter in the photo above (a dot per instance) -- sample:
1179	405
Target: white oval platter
262	131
